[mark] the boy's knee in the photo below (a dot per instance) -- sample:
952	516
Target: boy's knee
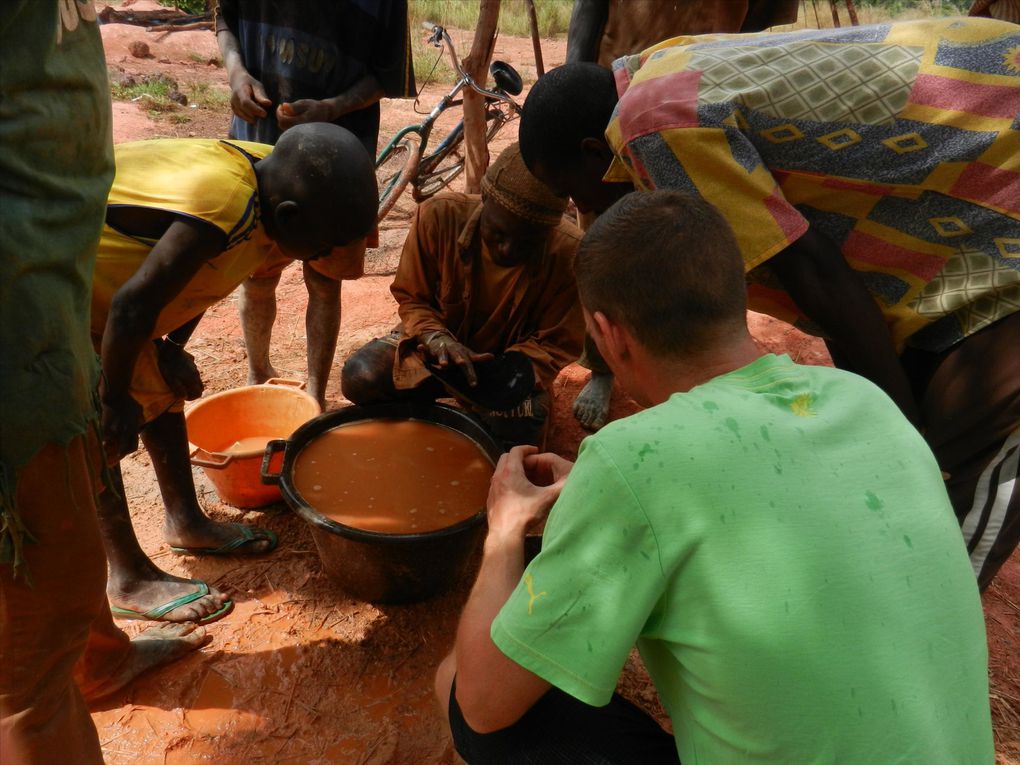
320	286
443	683
260	286
362	378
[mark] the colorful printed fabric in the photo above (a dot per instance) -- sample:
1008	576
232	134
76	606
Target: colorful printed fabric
900	142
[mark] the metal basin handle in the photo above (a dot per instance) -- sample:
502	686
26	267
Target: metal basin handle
274	446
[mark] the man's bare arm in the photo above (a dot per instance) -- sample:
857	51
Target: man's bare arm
831	294
170	265
494	691
248	98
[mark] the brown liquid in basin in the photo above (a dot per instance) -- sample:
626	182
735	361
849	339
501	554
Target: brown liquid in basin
393	476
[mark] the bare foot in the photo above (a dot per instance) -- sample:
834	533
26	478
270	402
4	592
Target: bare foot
259	376
153	648
149	599
591	408
212	538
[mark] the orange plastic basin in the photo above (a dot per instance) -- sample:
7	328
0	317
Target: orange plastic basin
228	432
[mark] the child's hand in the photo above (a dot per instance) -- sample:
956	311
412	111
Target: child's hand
121	420
248	98
179	371
304	110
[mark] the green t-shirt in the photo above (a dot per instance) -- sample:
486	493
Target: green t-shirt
779	545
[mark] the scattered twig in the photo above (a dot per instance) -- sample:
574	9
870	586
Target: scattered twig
166	29
111	740
1009	603
328	614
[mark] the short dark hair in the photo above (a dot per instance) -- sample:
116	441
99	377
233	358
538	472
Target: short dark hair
666	265
565	106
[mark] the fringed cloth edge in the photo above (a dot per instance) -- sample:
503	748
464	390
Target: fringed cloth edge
14	531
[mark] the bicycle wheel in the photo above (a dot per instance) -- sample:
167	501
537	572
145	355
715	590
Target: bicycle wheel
394	170
438	170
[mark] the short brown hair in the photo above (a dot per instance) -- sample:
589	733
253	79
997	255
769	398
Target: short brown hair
667	266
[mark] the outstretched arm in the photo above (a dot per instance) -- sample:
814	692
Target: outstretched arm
170	265
831	294
494	691
248	98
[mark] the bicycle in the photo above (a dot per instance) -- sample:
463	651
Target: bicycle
404	160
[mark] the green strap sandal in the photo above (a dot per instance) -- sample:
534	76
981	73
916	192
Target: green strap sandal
248	534
156	614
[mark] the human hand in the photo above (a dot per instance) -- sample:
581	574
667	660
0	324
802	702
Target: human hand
248	98
546	468
443	349
179	371
301	111
121	420
515	502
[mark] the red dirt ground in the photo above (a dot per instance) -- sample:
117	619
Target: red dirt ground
299	672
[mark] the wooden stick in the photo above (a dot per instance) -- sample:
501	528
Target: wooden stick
536	43
854	21
476	149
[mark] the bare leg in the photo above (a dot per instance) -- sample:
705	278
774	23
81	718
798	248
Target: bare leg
135	582
444	682
322	325
591	408
57	639
258	312
187	525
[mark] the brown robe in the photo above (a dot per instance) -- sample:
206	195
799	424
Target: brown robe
445	279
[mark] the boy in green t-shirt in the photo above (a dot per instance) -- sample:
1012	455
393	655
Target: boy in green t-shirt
776	540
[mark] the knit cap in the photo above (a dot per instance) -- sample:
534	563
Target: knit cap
509	183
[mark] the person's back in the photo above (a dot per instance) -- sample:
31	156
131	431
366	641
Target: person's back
775	539
204	179
788	533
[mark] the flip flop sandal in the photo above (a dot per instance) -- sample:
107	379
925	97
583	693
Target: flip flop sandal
156	614
504	382
248	534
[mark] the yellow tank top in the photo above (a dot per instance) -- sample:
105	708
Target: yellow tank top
207	179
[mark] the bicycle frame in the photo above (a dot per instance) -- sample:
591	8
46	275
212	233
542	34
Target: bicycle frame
423	129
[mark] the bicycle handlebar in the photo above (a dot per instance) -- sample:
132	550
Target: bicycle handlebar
439	35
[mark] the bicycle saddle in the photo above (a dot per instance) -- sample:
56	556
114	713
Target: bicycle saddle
506	78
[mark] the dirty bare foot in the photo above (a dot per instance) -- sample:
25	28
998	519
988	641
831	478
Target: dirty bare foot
153	648
166	598
207	537
591	408
260	375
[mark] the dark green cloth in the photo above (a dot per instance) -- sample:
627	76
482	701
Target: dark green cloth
56	166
